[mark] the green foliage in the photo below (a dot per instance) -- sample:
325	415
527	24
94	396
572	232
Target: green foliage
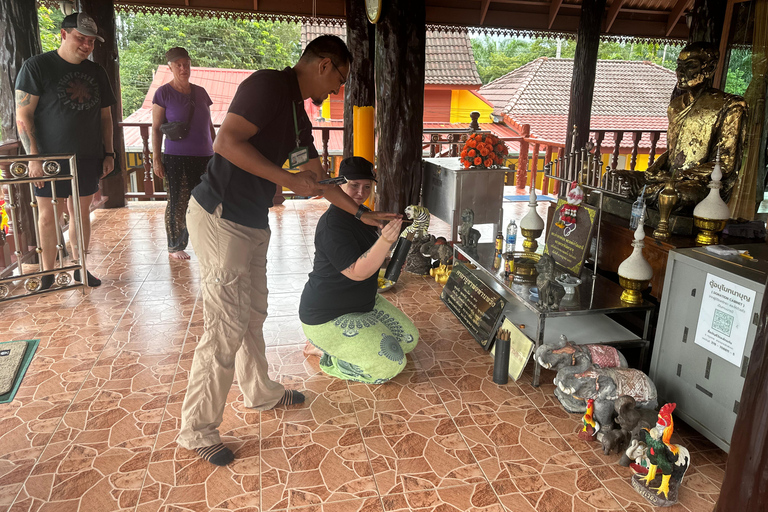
143	40
50	31
496	57
739	71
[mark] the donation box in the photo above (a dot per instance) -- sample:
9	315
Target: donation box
707	324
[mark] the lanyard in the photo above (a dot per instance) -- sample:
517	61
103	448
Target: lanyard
296	124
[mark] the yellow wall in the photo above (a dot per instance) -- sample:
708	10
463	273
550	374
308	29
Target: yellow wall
464	102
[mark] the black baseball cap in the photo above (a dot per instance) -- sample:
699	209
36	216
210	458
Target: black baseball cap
357	168
83	24
175	54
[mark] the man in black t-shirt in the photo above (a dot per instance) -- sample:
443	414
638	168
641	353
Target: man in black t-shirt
229	230
63	105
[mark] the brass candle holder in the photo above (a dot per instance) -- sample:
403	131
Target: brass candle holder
711	214
668	198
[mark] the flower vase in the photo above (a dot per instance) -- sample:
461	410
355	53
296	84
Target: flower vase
668	198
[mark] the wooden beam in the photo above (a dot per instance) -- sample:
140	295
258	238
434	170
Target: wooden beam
484	10
717	81
674	16
255	5
612	13
553	8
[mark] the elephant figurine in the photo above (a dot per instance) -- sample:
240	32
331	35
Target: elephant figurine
604	386
566	355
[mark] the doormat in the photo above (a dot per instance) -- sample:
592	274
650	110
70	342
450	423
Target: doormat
14	364
526	197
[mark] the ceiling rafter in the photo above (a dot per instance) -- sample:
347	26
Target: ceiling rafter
674	16
553	8
484	10
613	11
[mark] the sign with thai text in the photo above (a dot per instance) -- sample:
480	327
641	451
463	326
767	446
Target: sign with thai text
568	245
473	302
724	318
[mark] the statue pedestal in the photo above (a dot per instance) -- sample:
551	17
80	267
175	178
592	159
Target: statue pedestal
678	224
650	494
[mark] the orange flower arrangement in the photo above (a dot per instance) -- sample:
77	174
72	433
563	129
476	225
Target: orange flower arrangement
483	150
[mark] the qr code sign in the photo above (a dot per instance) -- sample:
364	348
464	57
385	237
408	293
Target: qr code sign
722	322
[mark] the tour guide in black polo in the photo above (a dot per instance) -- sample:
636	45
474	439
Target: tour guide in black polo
229	230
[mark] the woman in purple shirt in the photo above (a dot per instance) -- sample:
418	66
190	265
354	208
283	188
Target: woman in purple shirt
184	161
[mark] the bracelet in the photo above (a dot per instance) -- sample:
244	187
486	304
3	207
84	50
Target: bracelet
390	242
361	210
109	154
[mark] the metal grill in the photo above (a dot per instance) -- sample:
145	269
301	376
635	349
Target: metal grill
17	283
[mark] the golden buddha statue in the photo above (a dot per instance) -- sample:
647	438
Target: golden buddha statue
702	120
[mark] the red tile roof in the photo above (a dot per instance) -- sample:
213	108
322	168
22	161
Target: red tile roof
450	60
628	95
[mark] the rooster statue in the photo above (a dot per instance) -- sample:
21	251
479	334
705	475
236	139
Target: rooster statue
671	459
590	425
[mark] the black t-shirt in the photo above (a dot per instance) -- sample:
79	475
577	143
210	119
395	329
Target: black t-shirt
340	239
68	113
264	99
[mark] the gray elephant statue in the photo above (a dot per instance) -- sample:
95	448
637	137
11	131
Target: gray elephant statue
437	249
604	386
566	355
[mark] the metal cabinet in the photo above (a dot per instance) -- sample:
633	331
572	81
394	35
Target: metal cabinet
705	385
448	188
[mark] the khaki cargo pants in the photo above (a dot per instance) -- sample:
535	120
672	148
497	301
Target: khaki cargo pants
233	275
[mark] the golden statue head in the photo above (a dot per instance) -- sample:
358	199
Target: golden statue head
696	66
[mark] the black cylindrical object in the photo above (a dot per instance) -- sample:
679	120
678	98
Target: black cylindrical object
398	258
501	359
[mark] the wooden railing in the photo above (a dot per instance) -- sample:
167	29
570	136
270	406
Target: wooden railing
149	184
449	143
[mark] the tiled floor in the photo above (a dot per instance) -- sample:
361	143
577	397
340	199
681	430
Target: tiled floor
93	425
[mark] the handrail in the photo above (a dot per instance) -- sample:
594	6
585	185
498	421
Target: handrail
150	193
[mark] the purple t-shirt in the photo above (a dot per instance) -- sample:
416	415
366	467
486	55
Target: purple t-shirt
198	141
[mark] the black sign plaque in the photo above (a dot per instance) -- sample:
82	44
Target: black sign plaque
476	305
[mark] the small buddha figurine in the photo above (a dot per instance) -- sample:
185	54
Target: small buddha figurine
701	121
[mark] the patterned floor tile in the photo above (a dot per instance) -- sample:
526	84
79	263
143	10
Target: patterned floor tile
478	497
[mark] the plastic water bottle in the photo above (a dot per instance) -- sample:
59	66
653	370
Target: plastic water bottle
638	210
511	236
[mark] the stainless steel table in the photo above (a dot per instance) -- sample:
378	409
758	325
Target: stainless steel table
582	317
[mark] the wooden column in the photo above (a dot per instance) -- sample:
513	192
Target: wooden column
584	70
745	473
360	88
19	40
400	64
106	55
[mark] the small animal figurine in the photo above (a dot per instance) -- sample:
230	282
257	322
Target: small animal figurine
604	385
469	236
615	440
634	456
588	432
629	416
437	249
578	358
672	460
550	291
420	217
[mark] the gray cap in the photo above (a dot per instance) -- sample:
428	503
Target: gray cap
83	24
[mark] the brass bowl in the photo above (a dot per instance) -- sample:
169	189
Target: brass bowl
530	244
524	266
708	230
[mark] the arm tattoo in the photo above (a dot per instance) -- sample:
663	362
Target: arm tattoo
22	98
365	254
27	135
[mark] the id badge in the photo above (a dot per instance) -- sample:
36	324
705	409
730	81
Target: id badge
298	156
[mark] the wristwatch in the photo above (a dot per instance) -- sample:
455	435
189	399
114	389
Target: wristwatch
361	210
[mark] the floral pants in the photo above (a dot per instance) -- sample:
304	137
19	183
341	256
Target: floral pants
366	347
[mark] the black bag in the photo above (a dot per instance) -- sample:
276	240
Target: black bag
177	130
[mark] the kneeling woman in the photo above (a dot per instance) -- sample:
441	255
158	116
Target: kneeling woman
358	334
